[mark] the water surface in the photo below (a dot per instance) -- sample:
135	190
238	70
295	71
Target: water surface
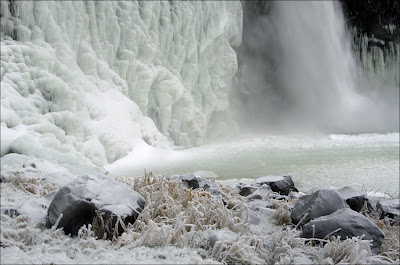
365	161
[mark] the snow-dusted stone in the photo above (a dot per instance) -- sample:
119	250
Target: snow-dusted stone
281	184
295	195
390	208
12	212
260	193
266	211
243	189
320	203
354	198
196	182
79	200
221	235
264	192
36	209
350	224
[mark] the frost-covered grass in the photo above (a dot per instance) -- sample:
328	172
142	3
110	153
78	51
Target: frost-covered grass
174	227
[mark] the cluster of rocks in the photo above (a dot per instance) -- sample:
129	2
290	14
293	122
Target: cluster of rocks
320	214
328	213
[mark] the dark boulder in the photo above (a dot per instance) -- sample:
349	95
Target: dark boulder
260	193
195	182
389	208
244	189
354	198
12	212
320	203
281	184
89	196
349	224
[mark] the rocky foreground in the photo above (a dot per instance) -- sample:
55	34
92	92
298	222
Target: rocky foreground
222	224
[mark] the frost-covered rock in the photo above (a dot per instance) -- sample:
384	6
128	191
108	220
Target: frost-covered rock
354	198
36	209
10	211
320	203
221	235
191	181
281	184
390	208
350	224
244	189
264	192
78	201
83	81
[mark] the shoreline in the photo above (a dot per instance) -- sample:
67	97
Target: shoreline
191	247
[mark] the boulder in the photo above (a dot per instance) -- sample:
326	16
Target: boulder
221	235
79	200
264	192
244	189
349	223
12	212
320	203
281	184
354	198
196	182
389	208
36	209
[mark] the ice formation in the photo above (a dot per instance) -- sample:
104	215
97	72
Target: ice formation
83	82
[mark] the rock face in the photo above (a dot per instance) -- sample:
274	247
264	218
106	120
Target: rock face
350	224
79	200
281	184
354	198
390	208
320	203
375	28
196	182
372	17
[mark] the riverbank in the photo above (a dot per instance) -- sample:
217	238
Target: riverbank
176	228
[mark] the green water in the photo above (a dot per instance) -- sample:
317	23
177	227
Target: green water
367	162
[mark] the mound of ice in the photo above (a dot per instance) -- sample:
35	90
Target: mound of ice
85	80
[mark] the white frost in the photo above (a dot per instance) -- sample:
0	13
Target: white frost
83	78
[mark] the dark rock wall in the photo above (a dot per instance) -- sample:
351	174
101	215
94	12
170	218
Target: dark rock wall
375	29
373	17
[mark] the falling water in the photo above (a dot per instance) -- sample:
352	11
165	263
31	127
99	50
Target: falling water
299	73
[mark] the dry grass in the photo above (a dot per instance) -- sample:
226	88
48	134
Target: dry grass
289	248
282	214
28	184
391	244
179	216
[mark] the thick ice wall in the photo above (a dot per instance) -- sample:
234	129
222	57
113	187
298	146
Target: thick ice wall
83	77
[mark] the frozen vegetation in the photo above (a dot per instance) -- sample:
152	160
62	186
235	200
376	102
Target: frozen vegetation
90	86
179	225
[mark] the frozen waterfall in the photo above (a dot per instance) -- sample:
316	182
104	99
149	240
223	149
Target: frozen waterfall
83	82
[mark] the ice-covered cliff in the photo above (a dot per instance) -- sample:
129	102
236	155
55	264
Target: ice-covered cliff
87	80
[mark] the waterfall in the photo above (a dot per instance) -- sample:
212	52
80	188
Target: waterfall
305	77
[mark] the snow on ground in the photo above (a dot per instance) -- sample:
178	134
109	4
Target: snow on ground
172	229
